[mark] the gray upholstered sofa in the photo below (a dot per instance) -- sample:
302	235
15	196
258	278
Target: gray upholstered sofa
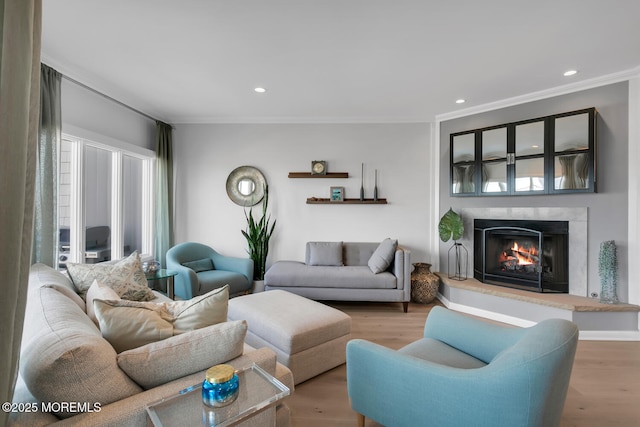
344	271
65	360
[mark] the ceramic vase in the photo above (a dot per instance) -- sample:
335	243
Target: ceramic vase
258	286
424	283
608	270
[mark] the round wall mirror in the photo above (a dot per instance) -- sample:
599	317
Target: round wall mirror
245	186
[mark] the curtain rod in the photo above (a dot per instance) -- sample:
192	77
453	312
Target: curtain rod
109	98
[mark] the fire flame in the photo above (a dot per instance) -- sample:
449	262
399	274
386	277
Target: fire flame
523	256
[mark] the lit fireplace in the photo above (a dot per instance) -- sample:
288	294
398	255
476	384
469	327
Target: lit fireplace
520	258
531	255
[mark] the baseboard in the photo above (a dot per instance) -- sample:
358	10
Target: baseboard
610	335
584	335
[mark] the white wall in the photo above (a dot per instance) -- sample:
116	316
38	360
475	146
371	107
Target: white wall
206	154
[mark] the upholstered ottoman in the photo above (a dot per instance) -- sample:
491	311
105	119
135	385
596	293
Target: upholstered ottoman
308	337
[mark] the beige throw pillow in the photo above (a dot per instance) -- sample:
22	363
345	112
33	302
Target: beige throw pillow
160	362
130	324
98	291
125	277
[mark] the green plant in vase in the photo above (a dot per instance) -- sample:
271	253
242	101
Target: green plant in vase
258	233
452	227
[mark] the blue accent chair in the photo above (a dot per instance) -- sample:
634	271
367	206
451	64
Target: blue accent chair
465	372
201	269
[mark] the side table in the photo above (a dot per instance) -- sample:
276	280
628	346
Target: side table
164	274
259	392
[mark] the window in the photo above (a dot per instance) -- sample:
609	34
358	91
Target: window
105	200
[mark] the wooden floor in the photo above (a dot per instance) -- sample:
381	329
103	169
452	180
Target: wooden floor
604	388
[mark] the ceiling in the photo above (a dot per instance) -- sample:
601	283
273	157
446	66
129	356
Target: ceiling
198	61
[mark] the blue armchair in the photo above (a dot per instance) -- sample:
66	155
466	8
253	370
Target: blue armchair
465	372
201	269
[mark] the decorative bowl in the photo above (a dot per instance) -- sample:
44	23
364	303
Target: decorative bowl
150	267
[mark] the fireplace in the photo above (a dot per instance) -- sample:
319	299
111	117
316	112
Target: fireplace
524	254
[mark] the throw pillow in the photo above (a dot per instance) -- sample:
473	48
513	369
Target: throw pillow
130	324
199	265
382	257
324	253
98	291
160	362
125	277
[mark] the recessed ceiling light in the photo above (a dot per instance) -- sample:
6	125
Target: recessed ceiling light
260	90
570	73
460	101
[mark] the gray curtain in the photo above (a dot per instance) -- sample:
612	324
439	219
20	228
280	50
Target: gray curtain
20	35
164	192
45	224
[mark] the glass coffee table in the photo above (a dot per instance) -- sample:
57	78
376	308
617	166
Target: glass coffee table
258	392
163	274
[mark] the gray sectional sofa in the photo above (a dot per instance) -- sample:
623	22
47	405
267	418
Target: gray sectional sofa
347	271
65	359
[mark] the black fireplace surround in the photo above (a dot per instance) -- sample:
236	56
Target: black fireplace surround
524	254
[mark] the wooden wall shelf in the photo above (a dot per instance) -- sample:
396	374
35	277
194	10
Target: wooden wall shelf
310	175
323	201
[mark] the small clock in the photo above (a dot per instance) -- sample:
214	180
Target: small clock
318	167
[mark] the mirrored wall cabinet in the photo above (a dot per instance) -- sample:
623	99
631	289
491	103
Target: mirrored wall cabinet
547	155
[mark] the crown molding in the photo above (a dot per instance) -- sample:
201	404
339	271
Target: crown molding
297	120
543	94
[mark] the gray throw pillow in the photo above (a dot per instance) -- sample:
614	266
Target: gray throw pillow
324	253
382	257
199	265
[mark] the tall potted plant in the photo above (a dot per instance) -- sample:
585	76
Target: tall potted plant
258	233
452	227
